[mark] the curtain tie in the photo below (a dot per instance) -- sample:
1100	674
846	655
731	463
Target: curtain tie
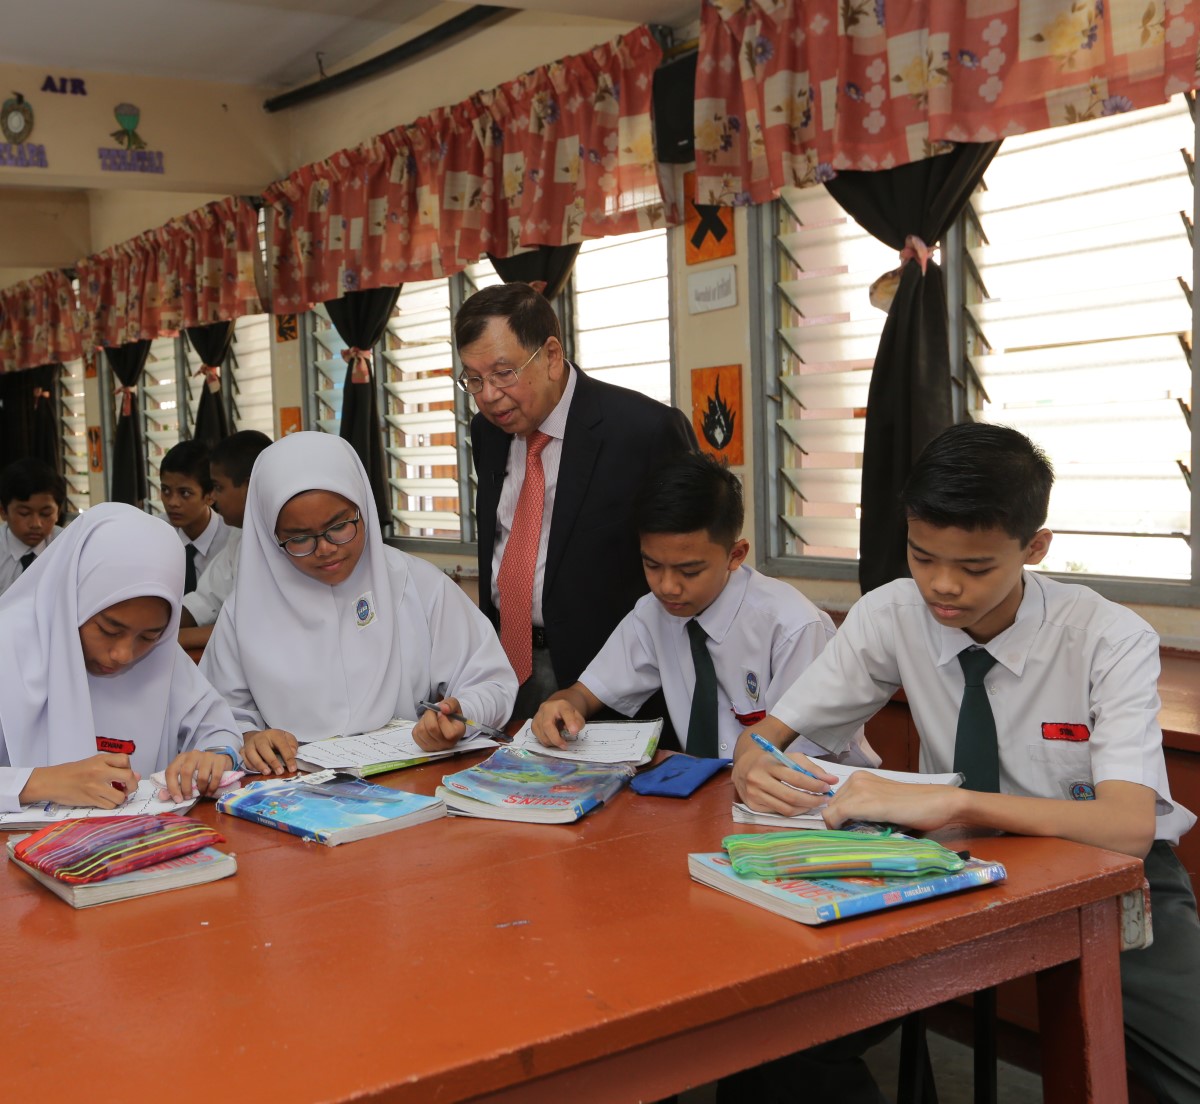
212	373
126	394
359	361
916	250
40	393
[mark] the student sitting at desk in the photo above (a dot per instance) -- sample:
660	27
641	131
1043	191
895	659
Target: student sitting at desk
723	641
229	465
1042	693
329	631
32	499
94	691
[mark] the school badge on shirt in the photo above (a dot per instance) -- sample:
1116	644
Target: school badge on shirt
364	610
752	685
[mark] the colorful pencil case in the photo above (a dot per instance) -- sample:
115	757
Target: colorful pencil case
814	854
94	848
677	776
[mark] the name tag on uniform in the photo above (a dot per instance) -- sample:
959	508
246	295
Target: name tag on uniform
116	747
1057	730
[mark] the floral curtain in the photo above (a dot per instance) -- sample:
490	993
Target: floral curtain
196	269
788	92
562	153
37	323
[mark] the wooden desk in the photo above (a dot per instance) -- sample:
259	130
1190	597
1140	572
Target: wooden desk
471	960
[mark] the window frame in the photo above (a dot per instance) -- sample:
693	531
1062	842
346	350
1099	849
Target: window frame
765	352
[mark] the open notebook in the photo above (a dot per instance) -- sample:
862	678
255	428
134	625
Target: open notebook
743	814
385	749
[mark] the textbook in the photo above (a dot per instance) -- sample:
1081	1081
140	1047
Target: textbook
601	742
743	814
517	784
389	748
819	900
207	865
144	802
331	812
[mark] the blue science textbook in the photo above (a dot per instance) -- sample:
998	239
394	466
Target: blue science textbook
330	812
818	900
514	784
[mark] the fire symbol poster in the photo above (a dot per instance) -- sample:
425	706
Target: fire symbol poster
717	412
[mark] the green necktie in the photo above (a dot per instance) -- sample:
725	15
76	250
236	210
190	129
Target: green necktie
26	561
976	752
189	576
702	724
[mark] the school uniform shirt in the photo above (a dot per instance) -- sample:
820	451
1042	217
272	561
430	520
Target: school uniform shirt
294	653
210	542
555	427
762	634
52	710
215	585
1074	691
11	551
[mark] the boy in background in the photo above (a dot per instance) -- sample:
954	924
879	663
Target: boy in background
722	641
1043	694
33	497
186	488
229	463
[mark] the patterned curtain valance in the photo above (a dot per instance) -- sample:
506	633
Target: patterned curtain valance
789	92
38	323
562	153
195	270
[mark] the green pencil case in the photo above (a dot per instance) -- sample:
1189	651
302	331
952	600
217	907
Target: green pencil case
814	854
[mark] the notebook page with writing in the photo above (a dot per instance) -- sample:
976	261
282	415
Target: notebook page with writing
144	802
383	749
601	742
743	814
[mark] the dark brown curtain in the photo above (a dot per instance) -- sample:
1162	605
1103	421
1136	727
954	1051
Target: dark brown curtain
909	402
360	318
29	416
129	447
545	267
212	344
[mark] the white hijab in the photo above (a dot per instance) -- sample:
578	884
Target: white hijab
309	664
51	709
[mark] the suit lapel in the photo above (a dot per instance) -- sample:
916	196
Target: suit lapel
581	446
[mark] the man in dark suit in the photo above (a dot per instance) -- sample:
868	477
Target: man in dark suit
590	444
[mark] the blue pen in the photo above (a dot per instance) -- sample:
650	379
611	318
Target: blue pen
771	749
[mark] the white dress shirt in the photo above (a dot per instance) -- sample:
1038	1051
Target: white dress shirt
1074	690
215	585
762	633
555	427
11	551
208	543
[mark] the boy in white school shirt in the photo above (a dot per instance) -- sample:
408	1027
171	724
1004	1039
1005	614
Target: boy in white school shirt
229	464
186	489
1057	732
32	498
760	633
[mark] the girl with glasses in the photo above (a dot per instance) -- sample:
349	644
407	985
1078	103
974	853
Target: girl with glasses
330	632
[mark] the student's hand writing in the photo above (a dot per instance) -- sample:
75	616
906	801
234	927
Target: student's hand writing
270	751
207	768
866	796
435	731
767	785
556	722
101	781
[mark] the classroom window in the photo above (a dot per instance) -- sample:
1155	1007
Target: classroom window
1074	264
74	436
615	315
163	396
245	377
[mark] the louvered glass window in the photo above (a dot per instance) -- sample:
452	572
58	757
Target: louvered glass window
1076	271
328	371
74	436
159	399
1083	330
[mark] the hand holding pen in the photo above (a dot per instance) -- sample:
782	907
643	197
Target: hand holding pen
788	761
442	725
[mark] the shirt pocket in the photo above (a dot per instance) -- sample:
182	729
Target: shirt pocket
1058	765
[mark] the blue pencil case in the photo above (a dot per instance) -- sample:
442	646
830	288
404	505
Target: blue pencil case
677	776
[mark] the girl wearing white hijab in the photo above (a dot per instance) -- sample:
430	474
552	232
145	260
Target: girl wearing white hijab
94	691
331	632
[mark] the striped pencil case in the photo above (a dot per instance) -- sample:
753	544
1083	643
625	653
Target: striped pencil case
813	854
91	849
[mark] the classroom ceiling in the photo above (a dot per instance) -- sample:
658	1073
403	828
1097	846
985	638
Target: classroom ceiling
270	43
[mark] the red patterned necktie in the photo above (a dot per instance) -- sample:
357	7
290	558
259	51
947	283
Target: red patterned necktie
515	581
